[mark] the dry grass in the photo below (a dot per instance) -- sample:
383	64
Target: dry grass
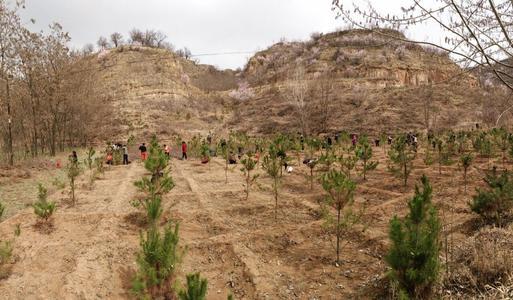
483	262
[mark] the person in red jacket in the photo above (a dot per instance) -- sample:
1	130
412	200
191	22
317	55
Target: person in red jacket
184	150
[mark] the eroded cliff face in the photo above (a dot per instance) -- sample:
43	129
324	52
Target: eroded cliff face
376	83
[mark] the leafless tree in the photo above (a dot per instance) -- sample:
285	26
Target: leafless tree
116	39
478	32
296	92
103	43
87	49
136	36
324	89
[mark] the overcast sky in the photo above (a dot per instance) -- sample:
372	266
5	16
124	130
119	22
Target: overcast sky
204	26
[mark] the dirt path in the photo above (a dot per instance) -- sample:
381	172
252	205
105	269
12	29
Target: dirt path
87	254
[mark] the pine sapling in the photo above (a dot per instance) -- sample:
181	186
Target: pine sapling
2	210
414	252
364	153
89	160
157	263
466	161
248	165
401	158
272	165
196	288
340	191
42	208
495	202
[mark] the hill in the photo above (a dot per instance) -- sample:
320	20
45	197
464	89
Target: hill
359	81
151	90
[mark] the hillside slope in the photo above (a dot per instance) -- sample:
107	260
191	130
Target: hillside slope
155	91
359	81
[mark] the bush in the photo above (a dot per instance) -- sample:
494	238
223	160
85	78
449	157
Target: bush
413	255
196	288
42	208
494	203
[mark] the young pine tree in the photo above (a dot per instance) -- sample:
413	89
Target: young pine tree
226	148
272	165
2	209
413	255
154	187
89	160
401	158
466	161
496	201
248	165
364	153
73	170
196	288
157	263
341	191
42	208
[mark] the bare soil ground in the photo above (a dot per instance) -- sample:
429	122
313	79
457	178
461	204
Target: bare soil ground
236	244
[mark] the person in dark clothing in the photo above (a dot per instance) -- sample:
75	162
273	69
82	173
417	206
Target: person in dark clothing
144	153
74	157
329	141
376	142
389	140
125	155
184	150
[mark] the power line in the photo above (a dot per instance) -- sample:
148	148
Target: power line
224	53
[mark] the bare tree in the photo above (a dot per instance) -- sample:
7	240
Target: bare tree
324	86
296	92
136	36
116	39
88	49
478	32
103	43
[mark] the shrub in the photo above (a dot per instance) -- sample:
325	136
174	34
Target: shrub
196	288
341	191
496	201
42	208
157	262
413	255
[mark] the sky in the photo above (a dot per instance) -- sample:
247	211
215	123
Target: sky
203	26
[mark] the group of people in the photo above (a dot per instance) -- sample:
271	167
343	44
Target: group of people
167	151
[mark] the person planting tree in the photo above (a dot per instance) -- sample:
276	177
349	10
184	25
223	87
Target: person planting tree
184	150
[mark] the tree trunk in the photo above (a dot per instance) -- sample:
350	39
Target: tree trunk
338	234
10	148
